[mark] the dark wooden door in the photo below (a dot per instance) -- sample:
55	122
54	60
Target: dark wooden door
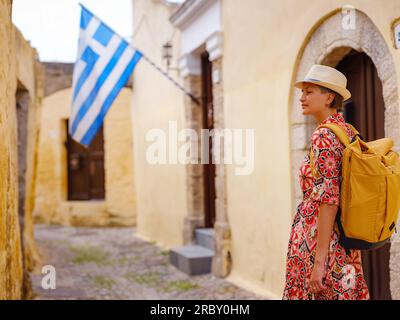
208	123
86	169
365	110
96	166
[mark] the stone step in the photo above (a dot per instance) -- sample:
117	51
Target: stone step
192	259
205	237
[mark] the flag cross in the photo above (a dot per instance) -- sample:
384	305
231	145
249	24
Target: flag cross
104	65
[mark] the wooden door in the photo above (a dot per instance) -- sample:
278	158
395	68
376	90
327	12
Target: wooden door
86	169
208	123
365	110
96	166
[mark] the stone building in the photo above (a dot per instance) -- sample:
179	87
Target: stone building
242	59
20	100
83	186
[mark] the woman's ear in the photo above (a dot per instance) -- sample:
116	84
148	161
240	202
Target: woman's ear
331	98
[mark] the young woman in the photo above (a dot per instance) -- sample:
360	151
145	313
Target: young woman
317	265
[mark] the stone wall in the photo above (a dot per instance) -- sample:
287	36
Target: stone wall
57	76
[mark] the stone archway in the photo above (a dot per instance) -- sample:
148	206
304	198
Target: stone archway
328	44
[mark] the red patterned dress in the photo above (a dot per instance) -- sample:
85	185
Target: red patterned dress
344	277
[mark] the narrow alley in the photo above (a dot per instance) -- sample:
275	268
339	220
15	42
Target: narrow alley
111	263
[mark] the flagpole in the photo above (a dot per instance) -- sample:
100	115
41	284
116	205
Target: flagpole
194	99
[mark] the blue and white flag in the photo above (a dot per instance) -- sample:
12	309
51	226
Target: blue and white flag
104	64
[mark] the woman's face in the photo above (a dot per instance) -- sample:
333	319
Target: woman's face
313	101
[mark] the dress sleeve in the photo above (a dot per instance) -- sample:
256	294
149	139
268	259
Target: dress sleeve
327	167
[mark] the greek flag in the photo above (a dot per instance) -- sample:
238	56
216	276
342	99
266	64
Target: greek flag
104	64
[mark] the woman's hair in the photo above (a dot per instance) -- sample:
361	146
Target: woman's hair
337	102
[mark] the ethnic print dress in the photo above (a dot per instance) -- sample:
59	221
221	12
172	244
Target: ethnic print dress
344	279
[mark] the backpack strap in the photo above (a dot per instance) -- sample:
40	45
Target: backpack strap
355	131
339	132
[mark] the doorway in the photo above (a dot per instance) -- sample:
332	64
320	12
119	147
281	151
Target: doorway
365	110
208	123
22	106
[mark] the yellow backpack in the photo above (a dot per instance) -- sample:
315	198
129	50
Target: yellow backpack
370	191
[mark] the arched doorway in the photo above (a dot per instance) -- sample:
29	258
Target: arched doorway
366	111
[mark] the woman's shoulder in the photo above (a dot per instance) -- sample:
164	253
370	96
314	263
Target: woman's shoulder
322	133
325	138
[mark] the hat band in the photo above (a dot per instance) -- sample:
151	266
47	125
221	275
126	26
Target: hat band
311	79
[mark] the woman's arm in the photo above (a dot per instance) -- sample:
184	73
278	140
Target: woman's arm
326	191
326	221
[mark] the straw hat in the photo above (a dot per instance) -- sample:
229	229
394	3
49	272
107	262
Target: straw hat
327	77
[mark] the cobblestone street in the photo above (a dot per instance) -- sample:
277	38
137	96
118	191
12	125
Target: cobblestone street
111	263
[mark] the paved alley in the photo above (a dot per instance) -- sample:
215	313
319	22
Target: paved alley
111	263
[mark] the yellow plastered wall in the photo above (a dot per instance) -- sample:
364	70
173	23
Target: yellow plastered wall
52	205
161	189
257	80
30	75
18	64
10	246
